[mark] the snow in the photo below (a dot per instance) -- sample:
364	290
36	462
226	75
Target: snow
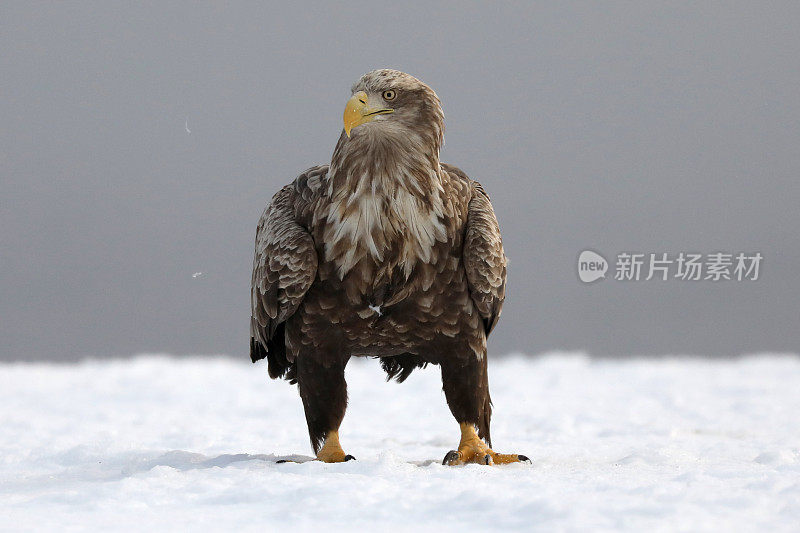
156	443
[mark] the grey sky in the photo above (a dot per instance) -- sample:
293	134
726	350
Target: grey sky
611	126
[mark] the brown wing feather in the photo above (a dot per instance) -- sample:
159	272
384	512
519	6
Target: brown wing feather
484	259
284	267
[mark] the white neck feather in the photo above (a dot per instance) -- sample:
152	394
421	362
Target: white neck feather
392	214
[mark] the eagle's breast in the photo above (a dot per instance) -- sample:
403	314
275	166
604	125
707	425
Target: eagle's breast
390	221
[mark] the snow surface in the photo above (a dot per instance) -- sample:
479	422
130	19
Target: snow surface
156	443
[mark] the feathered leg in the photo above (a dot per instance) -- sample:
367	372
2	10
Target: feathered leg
323	390
466	388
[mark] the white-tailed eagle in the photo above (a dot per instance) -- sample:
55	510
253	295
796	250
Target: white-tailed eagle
385	252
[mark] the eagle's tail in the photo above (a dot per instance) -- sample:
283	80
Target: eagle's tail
399	367
275	353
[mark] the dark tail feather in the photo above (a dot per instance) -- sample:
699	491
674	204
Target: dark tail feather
275	353
399	367
257	351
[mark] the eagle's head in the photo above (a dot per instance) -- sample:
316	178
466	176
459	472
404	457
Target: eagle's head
389	105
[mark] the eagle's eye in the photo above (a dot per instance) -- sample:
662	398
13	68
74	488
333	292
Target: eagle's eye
389	95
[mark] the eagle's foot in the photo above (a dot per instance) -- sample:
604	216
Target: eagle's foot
472	449
331	451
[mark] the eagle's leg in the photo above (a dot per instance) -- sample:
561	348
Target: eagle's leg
466	388
323	390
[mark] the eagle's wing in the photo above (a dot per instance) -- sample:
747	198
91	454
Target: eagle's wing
284	267
484	259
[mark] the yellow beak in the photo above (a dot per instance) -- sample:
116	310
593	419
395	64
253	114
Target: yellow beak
357	112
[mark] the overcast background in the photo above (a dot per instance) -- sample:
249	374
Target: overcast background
610	126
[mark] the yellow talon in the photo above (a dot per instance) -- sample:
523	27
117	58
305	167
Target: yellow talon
331	451
472	449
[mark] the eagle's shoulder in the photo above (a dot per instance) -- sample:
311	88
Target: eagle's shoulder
455	172
308	185
463	186
460	180
457	178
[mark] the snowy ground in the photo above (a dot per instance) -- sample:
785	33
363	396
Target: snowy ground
190	444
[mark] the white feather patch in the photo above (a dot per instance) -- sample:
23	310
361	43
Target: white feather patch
387	210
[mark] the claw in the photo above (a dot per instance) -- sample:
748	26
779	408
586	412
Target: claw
349	457
331	451
450	457
472	449
524	459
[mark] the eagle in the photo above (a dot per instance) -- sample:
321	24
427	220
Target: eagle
387	253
